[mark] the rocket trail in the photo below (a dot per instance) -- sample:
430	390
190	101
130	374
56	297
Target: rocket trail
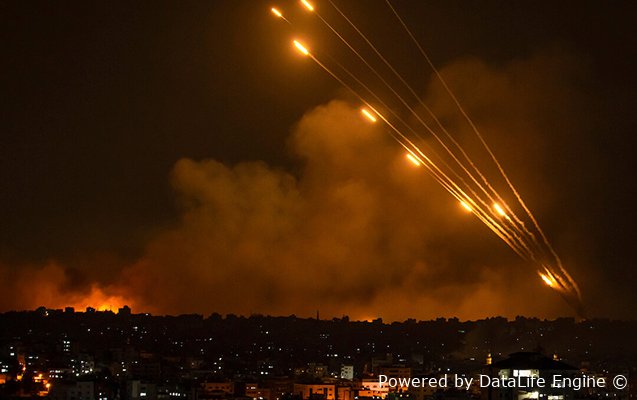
439	124
521	238
279	14
571	282
452	187
491	210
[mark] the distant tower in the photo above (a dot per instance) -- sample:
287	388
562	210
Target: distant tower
489	359
317	315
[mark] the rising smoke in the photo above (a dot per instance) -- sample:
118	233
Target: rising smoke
357	231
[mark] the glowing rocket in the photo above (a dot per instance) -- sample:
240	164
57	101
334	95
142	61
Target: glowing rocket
301	48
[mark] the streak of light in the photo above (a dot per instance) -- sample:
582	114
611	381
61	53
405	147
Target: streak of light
466	206
510	238
301	48
515	235
546	279
307	5
570	282
277	13
519	230
498	208
368	115
413	159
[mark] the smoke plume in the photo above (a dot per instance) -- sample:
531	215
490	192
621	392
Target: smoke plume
357	230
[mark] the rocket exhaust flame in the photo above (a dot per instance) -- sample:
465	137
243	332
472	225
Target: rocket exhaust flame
307	5
368	115
498	208
466	206
277	13
301	48
413	159
546	279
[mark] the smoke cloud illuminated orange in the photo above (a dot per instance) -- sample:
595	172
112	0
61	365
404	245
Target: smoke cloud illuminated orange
100	301
352	227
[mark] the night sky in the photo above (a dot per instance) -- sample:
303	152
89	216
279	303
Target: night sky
182	157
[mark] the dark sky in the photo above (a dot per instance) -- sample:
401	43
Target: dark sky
101	100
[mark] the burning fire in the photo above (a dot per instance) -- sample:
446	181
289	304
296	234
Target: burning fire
97	299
